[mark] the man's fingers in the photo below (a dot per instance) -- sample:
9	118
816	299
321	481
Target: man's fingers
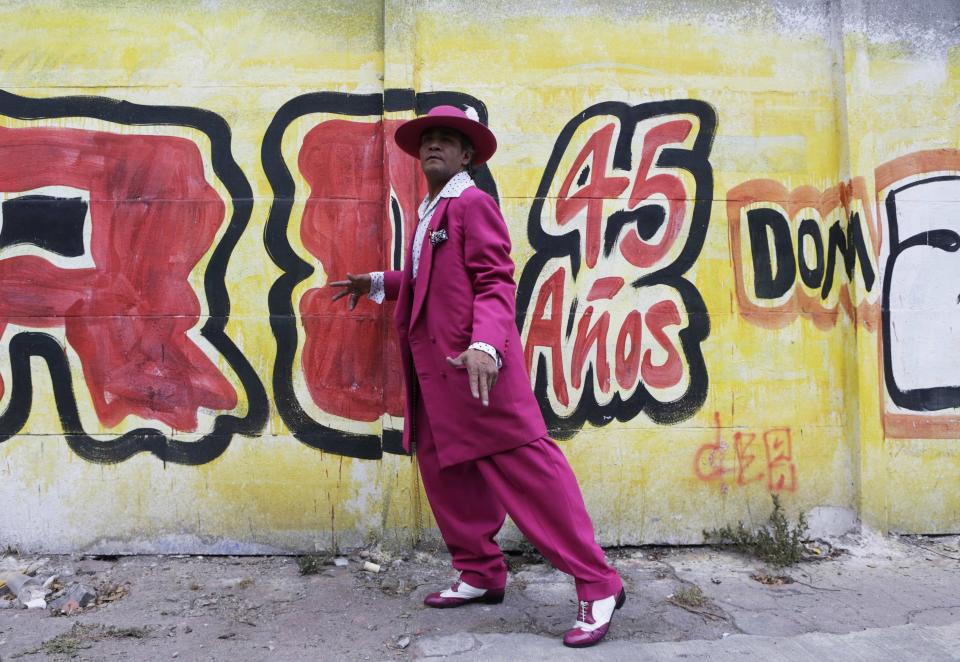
354	286
482	377
474	383
484	390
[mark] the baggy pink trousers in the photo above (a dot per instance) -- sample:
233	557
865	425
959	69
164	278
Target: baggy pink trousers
535	485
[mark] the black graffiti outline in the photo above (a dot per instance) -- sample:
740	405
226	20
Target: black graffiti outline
26	344
935	398
695	161
283	316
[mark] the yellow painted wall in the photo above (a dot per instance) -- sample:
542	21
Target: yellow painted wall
791	111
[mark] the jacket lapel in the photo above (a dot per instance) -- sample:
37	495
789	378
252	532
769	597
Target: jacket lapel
404	305
426	261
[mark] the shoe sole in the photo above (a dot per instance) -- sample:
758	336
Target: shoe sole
485	599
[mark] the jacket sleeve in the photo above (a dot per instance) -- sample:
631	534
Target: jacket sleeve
391	284
488	262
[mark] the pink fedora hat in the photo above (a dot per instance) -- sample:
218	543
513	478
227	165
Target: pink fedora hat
451	117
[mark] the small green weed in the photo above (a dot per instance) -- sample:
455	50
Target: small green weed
525	554
312	564
771	580
690	595
691	598
777	543
82	636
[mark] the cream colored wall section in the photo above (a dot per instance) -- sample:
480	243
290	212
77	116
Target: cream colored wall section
723	215
903	84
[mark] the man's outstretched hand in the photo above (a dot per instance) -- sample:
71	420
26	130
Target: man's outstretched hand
482	370
354	287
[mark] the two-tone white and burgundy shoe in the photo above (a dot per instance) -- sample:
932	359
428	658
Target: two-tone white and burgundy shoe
593	620
461	593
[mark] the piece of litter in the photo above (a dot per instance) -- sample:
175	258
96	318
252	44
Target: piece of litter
36	599
403	642
341	562
17	582
371	567
74	599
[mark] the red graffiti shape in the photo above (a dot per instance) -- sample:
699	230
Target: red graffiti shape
590	196
671	187
153	216
546	331
347	224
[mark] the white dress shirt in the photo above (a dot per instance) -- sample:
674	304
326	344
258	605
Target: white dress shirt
459	183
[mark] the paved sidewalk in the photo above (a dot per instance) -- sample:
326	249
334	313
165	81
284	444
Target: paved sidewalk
867	598
895	644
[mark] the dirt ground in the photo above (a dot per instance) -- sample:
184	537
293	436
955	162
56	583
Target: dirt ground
242	609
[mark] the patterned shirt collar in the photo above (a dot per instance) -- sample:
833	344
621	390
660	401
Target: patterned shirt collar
459	183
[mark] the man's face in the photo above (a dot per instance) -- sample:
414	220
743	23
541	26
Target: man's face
442	154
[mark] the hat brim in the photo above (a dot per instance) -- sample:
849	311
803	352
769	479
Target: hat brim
484	142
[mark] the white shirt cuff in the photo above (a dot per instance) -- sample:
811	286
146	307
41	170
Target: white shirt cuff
488	349
377	293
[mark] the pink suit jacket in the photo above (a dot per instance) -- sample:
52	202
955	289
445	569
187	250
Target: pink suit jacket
463	293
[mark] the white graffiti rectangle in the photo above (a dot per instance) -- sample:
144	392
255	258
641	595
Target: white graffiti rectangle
924	287
919	205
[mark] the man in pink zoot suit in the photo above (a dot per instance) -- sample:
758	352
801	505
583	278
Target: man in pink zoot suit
470	414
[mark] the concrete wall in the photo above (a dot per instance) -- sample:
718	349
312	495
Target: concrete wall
735	228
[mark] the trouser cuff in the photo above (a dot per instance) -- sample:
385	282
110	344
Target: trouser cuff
483	581
597	590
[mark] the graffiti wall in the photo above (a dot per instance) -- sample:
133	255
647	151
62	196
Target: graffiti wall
735	229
